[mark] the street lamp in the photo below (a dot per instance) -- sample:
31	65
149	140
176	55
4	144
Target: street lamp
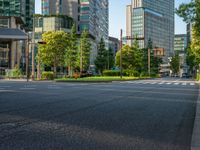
121	32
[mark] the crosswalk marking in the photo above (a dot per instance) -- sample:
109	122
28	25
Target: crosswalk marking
168	83
160	83
184	83
176	83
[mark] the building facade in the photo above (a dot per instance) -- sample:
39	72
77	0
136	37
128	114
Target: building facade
90	15
180	44
15	20
152	20
114	44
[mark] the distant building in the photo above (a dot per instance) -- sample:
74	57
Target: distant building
180	44
189	31
51	23
15	19
114	44
152	19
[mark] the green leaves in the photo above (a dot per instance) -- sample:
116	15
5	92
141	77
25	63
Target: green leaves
85	50
102	55
175	64
53	52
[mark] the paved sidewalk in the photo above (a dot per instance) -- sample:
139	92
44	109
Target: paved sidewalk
195	145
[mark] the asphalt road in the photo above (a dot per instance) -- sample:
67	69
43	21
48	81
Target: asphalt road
133	115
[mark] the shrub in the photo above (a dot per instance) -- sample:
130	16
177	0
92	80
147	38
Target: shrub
14	73
47	75
111	73
198	76
132	73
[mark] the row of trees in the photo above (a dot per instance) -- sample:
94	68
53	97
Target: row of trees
191	14
63	48
134	58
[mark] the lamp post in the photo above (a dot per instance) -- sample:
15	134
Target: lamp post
33	50
121	32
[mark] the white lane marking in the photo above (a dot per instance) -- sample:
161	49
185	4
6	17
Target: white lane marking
53	87
176	83
192	84
168	83
4	86
27	88
161	83
184	83
153	82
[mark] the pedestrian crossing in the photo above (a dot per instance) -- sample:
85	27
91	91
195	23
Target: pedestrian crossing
182	83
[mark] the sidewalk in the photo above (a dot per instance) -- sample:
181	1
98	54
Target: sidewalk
195	145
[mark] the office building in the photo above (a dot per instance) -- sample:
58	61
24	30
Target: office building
152	19
114	44
15	21
180	44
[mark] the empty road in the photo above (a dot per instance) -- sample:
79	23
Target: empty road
133	115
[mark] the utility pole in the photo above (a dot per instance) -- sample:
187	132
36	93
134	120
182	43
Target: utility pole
121	32
149	61
27	59
33	50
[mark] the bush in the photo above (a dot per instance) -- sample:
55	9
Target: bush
111	73
198	76
132	73
47	75
14	73
124	72
144	74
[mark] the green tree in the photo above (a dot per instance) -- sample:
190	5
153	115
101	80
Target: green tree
85	50
72	51
191	13
53	52
127	57
111	58
175	64
101	59
138	61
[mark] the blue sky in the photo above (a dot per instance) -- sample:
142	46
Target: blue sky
117	18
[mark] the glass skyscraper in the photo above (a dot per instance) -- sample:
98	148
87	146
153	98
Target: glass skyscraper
152	19
23	9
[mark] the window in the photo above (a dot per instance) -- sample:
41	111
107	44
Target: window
4	23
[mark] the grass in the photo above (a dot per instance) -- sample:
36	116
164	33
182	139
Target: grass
99	79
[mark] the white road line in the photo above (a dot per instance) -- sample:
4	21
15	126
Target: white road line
153	83
27	88
192	84
184	83
176	83
161	83
2	86
168	83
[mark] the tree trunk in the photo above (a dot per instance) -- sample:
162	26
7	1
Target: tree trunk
54	70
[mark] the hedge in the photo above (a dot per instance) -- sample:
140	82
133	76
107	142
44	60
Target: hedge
124	73
47	75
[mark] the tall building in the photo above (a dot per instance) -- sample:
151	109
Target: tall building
15	20
90	15
180	44
114	44
152	19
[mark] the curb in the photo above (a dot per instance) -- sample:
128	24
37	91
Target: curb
195	144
